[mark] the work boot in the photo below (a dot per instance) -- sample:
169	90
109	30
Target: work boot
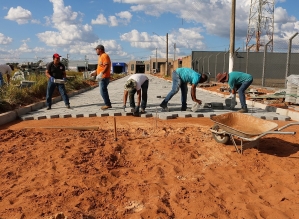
48	108
164	106
105	107
67	106
142	111
243	110
183	108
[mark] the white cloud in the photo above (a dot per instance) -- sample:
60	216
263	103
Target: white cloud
113	21
34	21
281	16
123	17
214	16
68	24
24	48
184	38
126	16
100	20
4	40
19	14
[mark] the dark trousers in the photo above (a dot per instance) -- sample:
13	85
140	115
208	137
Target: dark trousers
50	89
144	88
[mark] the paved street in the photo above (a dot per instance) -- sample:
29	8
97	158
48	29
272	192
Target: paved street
88	104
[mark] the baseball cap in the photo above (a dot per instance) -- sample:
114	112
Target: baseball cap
56	55
130	85
100	47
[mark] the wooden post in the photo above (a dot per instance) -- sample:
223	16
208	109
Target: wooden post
115	134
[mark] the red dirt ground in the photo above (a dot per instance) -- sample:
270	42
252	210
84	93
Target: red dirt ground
156	169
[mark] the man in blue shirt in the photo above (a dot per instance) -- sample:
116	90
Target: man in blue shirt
237	81
180	79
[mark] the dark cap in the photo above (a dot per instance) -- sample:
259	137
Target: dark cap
100	47
56	55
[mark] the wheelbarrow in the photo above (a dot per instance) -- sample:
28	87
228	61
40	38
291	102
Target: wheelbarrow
244	127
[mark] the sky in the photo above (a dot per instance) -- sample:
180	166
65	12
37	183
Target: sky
32	30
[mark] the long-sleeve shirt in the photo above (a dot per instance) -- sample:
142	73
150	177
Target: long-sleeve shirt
236	78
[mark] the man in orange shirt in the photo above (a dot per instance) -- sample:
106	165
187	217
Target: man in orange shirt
103	75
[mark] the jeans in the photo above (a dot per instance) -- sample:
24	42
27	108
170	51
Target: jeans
50	89
1	80
103	85
241	91
176	85
144	88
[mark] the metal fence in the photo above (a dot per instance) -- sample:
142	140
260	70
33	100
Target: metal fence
269	69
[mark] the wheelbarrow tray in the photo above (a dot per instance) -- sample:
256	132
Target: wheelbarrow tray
243	125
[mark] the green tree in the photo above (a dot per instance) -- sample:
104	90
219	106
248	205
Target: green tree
65	62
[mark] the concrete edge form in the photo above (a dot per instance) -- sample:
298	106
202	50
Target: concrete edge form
8	117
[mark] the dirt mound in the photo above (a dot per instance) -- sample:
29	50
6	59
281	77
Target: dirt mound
156	169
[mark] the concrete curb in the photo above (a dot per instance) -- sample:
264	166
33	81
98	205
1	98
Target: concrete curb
8	117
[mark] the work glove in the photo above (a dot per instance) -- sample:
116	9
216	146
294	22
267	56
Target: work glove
195	107
91	74
232	95
99	77
52	79
136	109
124	108
65	80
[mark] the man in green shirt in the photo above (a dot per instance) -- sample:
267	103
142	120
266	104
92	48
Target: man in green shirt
237	81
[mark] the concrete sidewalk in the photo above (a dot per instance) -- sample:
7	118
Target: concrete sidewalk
88	104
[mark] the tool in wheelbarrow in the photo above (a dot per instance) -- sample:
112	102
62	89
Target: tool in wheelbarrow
245	127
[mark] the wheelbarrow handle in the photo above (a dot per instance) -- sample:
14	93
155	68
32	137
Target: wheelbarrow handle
280	133
285	126
267	133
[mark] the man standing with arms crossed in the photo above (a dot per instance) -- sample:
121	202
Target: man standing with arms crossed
103	75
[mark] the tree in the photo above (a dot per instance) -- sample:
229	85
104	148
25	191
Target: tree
65	62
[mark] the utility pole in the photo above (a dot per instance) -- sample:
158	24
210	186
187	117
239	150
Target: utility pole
86	63
166	54
67	58
156	66
232	37
174	48
150	61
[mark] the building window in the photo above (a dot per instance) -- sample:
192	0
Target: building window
147	67
132	67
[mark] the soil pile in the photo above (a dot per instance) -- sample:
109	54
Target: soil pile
156	169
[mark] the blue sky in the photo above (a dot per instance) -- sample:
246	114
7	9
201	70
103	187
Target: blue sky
31	30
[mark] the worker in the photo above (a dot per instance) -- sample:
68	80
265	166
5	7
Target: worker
56	70
237	81
180	79
5	70
136	83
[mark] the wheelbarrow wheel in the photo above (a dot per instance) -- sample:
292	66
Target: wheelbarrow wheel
220	138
